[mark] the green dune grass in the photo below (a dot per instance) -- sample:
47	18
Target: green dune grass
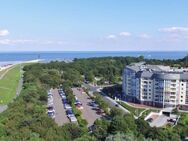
8	85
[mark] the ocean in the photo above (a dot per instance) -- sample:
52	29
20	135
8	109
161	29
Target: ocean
48	56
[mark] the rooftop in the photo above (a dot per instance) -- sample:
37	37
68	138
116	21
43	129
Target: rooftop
141	66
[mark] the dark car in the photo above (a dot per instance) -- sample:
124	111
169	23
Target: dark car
69	113
149	120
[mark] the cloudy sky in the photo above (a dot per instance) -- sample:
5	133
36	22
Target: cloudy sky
93	25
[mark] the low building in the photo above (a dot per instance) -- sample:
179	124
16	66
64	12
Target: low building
156	85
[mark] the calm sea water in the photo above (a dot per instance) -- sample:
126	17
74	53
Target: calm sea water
48	56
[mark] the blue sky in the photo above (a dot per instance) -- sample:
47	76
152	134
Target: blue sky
93	25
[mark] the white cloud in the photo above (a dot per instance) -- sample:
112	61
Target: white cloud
4	32
49	42
144	36
174	30
29	41
125	34
16	41
111	36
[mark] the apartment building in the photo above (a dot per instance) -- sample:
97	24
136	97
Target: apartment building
155	85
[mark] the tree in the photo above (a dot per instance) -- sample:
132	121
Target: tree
100	128
115	111
86	138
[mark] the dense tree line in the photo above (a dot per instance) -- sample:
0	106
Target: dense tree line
26	117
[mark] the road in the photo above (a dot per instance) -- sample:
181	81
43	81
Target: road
60	113
88	113
6	71
91	88
109	100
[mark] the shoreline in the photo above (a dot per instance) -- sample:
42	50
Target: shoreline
4	63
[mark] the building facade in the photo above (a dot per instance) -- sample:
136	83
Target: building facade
156	85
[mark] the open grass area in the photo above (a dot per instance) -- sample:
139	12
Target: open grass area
184	118
135	111
8	85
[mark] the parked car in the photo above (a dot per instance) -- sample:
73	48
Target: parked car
100	111
117	105
149	120
171	120
64	101
67	106
78	102
51	108
73	119
50	96
93	104
51	114
63	97
69	113
79	106
50	100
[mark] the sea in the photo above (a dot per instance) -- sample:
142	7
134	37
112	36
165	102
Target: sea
13	57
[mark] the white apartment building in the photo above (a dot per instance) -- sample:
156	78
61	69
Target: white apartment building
156	85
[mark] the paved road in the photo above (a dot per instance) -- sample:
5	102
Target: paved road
113	103
91	88
88	113
160	121
109	100
6	71
60	113
3	108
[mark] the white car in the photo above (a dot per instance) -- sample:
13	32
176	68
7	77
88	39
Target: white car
50	104
63	96
67	106
50	96
50	100
73	119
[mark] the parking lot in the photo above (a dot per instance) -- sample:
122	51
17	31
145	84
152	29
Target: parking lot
88	113
60	113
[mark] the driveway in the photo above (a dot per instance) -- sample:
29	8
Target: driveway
88	113
60	113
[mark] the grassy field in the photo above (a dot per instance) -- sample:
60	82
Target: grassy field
137	111
8	85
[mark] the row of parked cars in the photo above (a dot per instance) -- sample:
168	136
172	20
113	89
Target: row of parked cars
96	107
50	107
67	106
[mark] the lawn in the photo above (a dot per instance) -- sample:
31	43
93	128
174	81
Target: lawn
135	111
8	85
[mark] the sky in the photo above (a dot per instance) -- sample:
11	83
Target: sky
93	25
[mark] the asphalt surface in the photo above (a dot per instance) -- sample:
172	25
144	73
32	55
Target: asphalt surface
91	88
109	100
3	108
160	121
88	113
60	113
